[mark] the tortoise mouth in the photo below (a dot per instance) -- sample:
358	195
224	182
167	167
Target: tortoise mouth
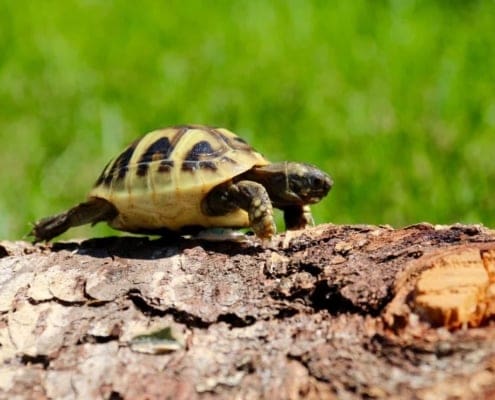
302	198
314	199
310	195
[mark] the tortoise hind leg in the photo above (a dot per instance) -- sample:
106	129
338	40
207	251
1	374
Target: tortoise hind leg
249	196
91	211
297	217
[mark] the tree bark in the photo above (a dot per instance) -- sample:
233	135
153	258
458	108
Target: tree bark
329	312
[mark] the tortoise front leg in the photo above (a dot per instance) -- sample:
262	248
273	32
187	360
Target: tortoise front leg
249	196
297	217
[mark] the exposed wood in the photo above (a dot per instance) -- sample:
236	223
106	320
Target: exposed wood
330	312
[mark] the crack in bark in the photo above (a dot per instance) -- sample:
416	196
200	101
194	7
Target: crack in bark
287	312
41	359
179	316
97	339
310	268
325	297
115	396
186	318
65	303
394	255
234	321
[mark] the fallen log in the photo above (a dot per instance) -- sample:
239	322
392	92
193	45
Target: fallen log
329	312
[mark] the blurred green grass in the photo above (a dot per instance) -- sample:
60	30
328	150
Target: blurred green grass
395	99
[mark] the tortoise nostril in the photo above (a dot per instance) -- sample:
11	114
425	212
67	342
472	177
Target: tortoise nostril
319	183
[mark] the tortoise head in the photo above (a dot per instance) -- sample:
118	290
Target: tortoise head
292	183
306	184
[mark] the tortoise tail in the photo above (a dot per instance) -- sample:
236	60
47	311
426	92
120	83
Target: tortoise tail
91	211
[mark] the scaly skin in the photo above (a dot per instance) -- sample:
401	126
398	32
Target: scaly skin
261	216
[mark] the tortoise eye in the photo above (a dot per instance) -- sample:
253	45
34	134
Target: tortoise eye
316	181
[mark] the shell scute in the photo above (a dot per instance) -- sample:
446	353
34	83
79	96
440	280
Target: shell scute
157	151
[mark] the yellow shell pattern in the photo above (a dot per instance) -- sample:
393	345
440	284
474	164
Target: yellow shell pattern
160	180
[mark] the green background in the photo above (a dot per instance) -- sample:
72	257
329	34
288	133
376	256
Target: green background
395	99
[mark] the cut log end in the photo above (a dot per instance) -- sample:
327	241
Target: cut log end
452	288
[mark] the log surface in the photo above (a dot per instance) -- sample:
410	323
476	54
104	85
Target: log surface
344	312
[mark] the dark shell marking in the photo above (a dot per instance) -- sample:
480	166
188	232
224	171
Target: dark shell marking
200	150
201	156
120	165
194	157
159	150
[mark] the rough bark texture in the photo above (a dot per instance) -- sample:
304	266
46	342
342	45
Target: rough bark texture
330	312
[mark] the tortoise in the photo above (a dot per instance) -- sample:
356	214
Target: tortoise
192	177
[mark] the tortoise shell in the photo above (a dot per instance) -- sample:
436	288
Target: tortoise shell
160	179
